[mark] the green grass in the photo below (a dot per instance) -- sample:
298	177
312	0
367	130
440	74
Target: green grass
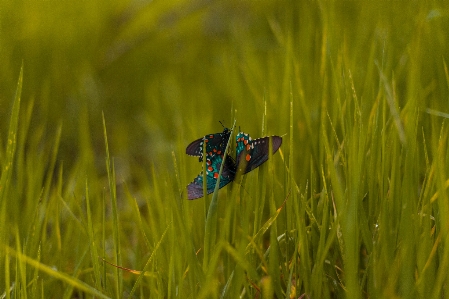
99	103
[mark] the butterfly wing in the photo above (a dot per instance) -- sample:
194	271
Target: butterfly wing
195	148
213	164
215	144
253	153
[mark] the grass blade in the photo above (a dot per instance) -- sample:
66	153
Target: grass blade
211	220
12	139
80	285
115	229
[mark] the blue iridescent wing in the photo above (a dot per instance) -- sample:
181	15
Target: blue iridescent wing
215	144
253	153
213	164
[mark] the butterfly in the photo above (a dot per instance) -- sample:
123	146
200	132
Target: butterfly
250	154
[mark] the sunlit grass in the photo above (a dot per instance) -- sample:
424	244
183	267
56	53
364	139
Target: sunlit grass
95	125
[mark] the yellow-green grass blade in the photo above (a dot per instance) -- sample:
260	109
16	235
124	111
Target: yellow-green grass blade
211	220
7	167
115	228
92	241
72	281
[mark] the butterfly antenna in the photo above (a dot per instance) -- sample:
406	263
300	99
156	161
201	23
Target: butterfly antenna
221	124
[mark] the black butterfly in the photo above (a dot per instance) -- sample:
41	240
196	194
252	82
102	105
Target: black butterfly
250	154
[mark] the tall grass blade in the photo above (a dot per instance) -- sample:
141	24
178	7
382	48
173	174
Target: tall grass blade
115	228
144	270
92	243
12	140
211	220
72	281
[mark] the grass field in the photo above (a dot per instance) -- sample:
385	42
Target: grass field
99	101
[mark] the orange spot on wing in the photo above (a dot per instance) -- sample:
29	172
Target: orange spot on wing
248	147
210	168
248	157
216	175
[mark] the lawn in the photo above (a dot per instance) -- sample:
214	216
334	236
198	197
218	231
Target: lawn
99	103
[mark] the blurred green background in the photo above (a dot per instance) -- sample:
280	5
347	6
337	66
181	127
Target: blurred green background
164	73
